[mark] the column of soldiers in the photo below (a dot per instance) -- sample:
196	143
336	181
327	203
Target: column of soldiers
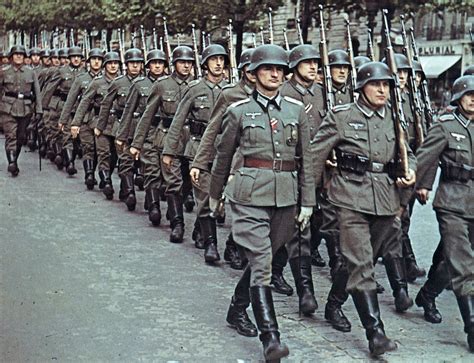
293	170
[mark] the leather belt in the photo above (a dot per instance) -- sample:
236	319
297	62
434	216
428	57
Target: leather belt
275	164
20	95
457	172
197	128
61	95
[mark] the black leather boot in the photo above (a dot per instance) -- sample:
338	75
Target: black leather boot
139	174
278	282
380	289
70	168
58	152
301	269
234	254
154	210
412	268
237	314
466	307
175	211
42	145
12	163
130	199
108	189
89	179
337	297
367	306
262	306
336	261
189	202
209	234
396	274
197	236
31	137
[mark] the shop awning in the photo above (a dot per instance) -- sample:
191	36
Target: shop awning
434	65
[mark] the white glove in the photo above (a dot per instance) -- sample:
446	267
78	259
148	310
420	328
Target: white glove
213	203
304	216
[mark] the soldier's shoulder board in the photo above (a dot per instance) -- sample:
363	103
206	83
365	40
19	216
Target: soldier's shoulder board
292	100
241	102
138	79
230	85
194	83
446	117
119	77
340	108
163	78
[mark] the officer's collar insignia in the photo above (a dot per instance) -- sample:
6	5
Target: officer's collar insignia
356	125
300	88
457	136
265	101
253	114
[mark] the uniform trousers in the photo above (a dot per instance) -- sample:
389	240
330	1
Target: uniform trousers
15	131
106	152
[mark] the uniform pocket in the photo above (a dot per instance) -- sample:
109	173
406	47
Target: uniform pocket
252	131
356	134
244	183
290	131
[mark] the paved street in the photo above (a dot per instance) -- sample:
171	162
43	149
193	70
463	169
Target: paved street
82	279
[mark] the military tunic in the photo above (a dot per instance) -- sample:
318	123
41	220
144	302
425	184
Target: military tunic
366	196
450	142
271	135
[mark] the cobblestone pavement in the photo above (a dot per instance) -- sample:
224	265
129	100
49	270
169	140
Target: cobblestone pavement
82	279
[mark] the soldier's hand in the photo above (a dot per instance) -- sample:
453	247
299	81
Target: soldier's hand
408	181
213	203
229	179
97	132
119	145
61	126
75	131
423	195
167	160
304	217
194	173
135	152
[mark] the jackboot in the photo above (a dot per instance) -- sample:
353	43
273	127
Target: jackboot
262	306
152	195
175	212
139	177
413	271
466	307
71	169
12	162
108	189
396	274
50	153
89	179
129	192
58	159
278	282
367	306
336	261
209	234
42	145
337	297
31	137
234	254
301	269
237	314
197	236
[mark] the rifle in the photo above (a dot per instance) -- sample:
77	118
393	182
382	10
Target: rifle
370	45
424	84
300	32
350	51
203	37
134	39
400	123
155	40
71	37
254	40
142	34
262	38
121	48
168	45
162	47
270	24
197	64
234	74
415	103
323	49
285	37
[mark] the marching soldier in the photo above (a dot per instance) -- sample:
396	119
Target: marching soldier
37	67
4	59
450	143
86	118
20	100
271	132
111	110
368	222
135	106
44	55
340	68
35	55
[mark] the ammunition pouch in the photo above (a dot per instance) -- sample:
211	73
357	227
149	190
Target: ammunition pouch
197	128
457	172
359	164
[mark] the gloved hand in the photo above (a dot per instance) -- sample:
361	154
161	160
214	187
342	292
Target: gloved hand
304	216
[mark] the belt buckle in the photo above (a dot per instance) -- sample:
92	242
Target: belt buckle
112	112
377	167
277	164
21	96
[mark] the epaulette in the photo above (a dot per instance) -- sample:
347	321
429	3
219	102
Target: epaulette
119	77
138	79
194	83
339	108
163	77
446	117
230	85
241	102
292	100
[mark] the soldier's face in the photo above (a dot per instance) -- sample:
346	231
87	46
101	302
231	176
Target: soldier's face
134	68
64	61
376	93
35	59
339	74
75	60
18	59
215	65
418	79
112	67
308	70
27	60
403	77
56	62
320	76
183	68
5	60
46	61
95	63
467	104
249	75
269	77
157	67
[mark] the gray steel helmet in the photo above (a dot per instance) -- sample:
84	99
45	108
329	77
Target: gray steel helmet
214	50
35	51
75	52
360	60
54	53
461	86
95	52
339	57
133	55
182	53
2	54
373	71
18	49
245	58
400	60
268	54
301	53
111	57
418	69
156	54
45	53
63	52
469	71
